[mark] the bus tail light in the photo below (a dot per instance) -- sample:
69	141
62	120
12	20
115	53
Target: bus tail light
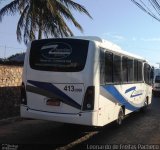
23	95
88	103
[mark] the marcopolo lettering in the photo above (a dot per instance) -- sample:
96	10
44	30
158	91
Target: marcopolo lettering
56	50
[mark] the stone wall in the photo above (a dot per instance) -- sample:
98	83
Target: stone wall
10	76
10	81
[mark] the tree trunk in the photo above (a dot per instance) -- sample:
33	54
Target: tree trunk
40	33
40	26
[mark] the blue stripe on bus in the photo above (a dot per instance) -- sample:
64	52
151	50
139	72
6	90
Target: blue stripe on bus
130	89
51	88
115	93
133	89
136	95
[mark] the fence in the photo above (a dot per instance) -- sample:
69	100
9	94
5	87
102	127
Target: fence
10	81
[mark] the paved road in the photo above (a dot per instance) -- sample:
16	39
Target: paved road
137	128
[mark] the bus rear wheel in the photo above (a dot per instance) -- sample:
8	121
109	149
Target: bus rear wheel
120	116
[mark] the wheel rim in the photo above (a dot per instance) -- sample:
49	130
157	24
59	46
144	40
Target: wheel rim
145	104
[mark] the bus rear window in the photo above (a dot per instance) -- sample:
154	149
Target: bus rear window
60	55
157	79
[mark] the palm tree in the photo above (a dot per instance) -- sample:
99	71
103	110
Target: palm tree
43	18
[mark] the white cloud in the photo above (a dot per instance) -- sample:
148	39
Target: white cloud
118	37
134	39
113	37
150	39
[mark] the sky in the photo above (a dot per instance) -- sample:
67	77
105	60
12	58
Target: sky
119	21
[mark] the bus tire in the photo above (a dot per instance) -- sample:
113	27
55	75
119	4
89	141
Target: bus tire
120	116
154	93
144	108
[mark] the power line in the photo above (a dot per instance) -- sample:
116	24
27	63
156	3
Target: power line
154	5
4	33
4	46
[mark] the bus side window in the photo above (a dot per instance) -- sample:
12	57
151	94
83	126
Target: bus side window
146	78
108	67
102	67
124	69
117	78
135	70
139	71
130	70
147	74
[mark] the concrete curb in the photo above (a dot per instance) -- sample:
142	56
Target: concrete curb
10	120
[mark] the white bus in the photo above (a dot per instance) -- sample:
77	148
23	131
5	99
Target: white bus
83	80
156	81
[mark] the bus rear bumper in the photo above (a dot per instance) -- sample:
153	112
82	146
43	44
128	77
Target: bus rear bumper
156	90
82	118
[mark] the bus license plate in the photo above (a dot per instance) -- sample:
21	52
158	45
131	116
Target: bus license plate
53	102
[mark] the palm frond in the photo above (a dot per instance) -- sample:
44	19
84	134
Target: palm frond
22	5
21	23
47	17
63	10
62	27
10	8
76	6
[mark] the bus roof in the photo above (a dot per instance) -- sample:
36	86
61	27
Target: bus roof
109	45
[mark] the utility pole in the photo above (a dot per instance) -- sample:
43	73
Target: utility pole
5	52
